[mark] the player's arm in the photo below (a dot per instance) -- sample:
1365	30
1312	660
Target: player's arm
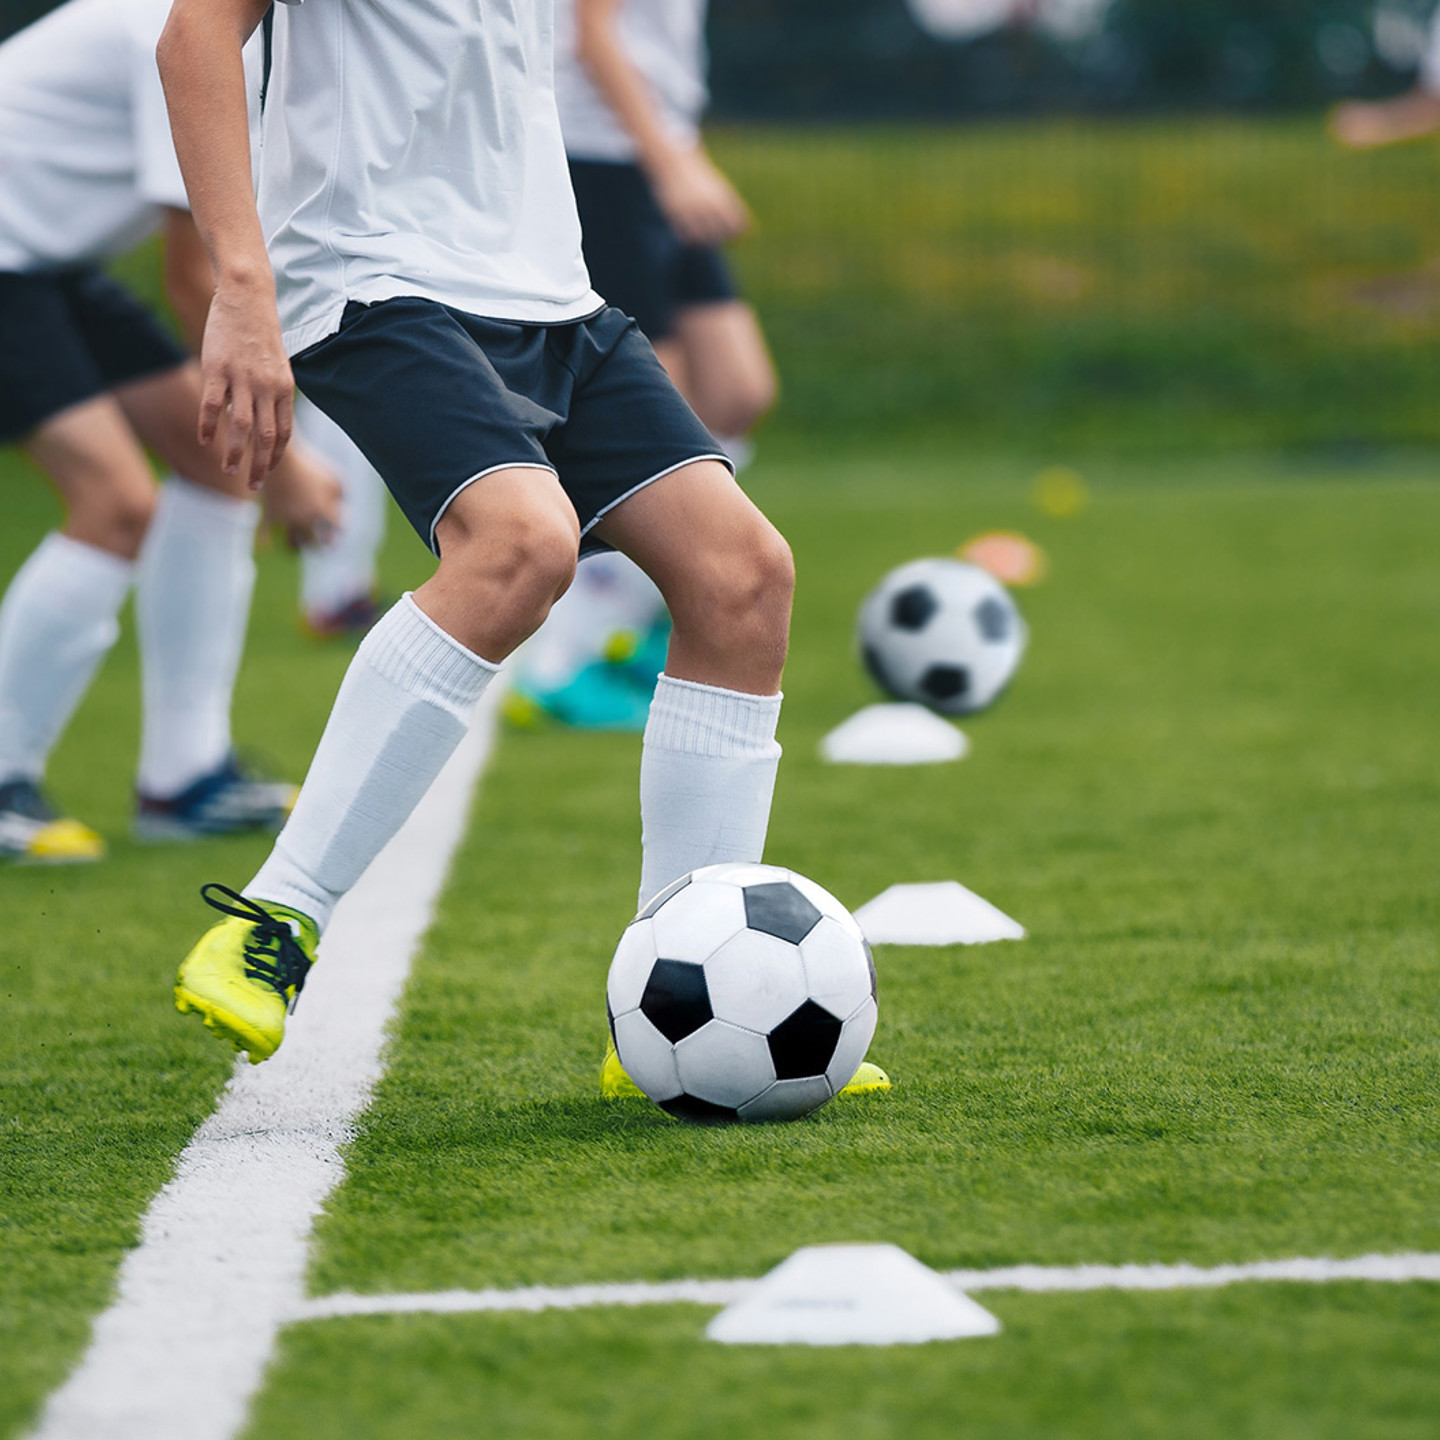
247	400
697	199
303	494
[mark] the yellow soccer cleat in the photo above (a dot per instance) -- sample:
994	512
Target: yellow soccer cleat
615	1084
33	833
247	971
867	1080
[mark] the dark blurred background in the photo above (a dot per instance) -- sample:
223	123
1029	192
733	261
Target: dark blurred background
1066	226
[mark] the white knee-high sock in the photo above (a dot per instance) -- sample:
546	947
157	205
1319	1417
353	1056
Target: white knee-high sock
192	604
707	776
57	623
333	575
405	703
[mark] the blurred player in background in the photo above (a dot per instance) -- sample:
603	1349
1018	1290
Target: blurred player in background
88	380
654	212
1363	125
338	594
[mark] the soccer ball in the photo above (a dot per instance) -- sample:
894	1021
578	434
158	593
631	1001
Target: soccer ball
742	992
942	632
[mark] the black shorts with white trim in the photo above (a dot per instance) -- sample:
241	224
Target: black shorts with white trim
67	336
437	398
636	261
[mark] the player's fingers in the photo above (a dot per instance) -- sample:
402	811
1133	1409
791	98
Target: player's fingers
265	437
212	407
239	429
284	423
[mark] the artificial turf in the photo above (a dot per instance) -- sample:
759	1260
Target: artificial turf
1210	800
1210	797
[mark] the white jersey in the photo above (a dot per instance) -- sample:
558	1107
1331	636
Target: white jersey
86	158
665	41
414	149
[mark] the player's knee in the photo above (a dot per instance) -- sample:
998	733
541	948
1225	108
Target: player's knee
743	598
533	559
746	398
117	520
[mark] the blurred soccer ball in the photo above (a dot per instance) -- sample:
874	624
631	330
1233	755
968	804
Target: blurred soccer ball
944	633
742	992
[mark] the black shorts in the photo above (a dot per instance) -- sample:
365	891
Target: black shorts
67	336
436	399
636	261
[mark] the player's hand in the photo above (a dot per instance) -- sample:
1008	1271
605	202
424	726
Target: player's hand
701	205
303	498
1365	125
248	396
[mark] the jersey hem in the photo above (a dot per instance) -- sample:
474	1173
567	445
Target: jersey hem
301	337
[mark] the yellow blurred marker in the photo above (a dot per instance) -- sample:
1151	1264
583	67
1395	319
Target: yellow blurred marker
1060	491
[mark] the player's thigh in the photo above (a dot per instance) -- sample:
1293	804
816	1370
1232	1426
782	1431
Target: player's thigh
515	519
730	376
164	411
95	461
703	541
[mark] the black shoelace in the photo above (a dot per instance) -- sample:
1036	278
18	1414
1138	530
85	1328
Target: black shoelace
272	953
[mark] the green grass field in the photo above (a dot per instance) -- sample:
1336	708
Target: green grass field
1210	797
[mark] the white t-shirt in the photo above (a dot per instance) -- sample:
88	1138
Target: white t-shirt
86	158
665	41
413	149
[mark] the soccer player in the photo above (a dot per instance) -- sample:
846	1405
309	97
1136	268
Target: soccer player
87	379
655	212
414	203
1367	125
338	595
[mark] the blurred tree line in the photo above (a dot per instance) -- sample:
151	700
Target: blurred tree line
873	59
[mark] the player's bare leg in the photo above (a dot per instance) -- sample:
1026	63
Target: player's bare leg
725	572
707	772
723	366
93	459
507	548
60	615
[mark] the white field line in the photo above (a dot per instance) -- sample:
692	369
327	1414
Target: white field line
1391	1268
221	1261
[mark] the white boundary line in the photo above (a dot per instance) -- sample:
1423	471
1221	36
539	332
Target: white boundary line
221	1261
1036	1278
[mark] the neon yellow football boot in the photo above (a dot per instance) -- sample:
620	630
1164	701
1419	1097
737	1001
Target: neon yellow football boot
615	1084
33	832
247	971
869	1079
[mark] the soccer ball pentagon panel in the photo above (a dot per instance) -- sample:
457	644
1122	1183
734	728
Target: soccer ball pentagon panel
943	633
742	992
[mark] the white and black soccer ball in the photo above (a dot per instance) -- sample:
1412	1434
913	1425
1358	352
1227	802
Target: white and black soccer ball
742	992
944	633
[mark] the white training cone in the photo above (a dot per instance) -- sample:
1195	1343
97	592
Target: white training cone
894	735
851	1295
945	913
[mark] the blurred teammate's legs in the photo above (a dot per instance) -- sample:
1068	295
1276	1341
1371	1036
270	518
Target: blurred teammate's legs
60	614
338	580
720	363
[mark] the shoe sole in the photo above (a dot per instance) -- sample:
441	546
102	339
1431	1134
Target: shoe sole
167	832
222	1023
48	862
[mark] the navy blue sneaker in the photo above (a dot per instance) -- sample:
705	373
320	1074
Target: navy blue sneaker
228	801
